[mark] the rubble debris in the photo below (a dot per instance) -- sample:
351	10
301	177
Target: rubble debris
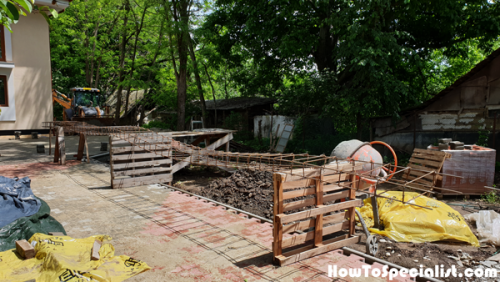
444	140
24	249
95	250
248	190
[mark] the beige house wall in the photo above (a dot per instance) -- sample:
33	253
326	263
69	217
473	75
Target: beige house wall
30	76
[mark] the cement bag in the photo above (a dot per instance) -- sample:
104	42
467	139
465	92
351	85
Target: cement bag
488	226
409	223
62	258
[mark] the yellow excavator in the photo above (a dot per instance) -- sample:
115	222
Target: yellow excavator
85	105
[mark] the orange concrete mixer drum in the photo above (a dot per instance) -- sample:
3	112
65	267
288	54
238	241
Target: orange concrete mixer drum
373	161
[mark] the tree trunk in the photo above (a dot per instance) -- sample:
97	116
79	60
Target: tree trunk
198	80
213	94
122	66
183	38
134	54
359	126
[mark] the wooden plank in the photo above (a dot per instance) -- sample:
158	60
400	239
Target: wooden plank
309	247
336	177
137	156
321	210
81	146
111	166
331	169
352	211
143	180
419	169
332	187
308	236
306	182
288	259
180	165
299	193
118	141
87	148
161	147
336	196
298	204
306	224
415	173
298	184
62	146
426	163
430	153
143	171
318	227
142	164
56	146
278	179
309	202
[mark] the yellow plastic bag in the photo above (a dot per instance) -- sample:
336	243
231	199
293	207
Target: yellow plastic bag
62	258
409	223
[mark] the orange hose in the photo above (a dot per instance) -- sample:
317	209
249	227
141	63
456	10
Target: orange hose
393	154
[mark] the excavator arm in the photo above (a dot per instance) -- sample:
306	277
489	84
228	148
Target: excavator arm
62	100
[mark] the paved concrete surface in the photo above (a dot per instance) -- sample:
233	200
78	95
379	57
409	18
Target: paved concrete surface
24	150
182	238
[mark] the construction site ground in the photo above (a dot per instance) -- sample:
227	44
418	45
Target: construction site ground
182	238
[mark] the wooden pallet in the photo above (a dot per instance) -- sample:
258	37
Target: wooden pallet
300	235
422	163
131	165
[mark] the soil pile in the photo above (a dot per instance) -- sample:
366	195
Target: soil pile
248	190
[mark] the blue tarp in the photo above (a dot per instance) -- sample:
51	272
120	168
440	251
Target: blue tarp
16	199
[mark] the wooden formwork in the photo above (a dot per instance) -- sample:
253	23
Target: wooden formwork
134	165
301	234
424	168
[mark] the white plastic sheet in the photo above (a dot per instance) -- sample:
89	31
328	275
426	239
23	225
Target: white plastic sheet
488	226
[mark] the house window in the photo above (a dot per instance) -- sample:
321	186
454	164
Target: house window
4	95
2	44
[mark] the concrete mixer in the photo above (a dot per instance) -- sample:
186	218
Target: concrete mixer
373	173
373	161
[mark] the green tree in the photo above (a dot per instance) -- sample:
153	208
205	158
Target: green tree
362	58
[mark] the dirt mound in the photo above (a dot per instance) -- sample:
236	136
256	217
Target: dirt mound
251	191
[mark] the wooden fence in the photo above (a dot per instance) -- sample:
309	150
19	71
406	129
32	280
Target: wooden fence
323	208
131	165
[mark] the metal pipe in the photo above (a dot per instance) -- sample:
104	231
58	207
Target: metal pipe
221	204
372	259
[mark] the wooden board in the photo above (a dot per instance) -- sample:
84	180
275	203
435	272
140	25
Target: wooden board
133	165
316	222
421	163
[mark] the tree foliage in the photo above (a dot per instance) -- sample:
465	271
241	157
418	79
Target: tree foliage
352	59
349	60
